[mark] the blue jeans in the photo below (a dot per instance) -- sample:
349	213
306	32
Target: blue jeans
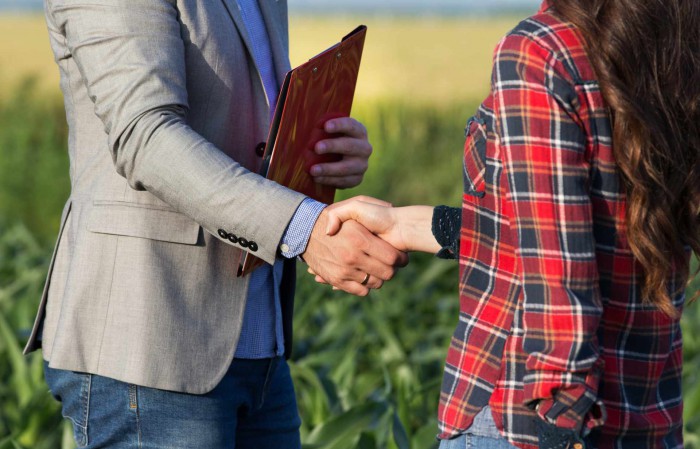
469	441
253	407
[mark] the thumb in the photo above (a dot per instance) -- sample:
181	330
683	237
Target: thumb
333	224
347	210
372	200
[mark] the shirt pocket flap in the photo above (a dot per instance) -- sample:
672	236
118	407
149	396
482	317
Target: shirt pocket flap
137	220
474	164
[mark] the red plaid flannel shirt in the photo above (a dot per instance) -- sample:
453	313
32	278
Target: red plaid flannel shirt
552	322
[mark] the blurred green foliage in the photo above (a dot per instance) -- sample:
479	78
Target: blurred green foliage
34	161
367	370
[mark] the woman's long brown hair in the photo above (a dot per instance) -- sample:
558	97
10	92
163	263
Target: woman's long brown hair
646	54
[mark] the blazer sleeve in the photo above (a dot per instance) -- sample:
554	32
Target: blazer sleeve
131	56
543	148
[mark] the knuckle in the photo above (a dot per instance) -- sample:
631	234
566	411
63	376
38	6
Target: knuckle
347	258
353	258
344	273
357	239
361	128
394	258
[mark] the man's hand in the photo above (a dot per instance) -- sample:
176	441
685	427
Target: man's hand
407	228
352	145
345	259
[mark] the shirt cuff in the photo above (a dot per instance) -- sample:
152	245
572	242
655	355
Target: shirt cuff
298	232
446	227
568	401
550	436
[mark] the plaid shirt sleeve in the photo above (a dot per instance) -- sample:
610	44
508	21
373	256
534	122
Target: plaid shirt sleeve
543	148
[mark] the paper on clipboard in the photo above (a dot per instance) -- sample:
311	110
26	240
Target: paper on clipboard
313	93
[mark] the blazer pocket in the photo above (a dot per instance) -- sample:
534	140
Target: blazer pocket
141	221
474	164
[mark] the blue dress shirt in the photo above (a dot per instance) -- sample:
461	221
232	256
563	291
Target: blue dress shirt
261	334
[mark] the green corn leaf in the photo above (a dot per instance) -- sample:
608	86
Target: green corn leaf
20	378
6	442
425	436
349	424
367	441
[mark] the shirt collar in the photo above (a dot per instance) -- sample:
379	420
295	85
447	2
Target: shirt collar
545	6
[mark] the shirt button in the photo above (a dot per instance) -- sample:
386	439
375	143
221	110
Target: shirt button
284	248
260	149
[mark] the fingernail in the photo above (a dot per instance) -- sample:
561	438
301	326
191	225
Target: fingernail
321	147
330	126
315	170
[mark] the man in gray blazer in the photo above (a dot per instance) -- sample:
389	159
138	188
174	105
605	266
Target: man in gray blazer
150	338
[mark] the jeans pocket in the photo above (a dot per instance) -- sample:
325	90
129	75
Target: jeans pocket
460	442
72	390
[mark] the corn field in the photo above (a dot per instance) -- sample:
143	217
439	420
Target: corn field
367	370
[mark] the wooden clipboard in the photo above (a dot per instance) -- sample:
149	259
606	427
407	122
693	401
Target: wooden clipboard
313	93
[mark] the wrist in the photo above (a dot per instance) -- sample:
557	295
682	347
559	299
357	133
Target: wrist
319	229
414	225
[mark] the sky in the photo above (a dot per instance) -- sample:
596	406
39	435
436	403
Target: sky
391	6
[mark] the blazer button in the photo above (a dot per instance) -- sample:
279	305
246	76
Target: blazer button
252	246
260	149
223	234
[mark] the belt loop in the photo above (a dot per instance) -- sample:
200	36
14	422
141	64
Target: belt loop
133	397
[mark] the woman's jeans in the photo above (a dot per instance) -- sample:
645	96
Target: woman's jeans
469	441
253	407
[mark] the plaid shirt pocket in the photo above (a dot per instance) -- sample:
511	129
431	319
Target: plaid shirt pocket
474	166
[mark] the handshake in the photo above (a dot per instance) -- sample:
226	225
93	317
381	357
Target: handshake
358	244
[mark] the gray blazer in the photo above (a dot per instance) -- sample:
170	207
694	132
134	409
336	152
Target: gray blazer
165	109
